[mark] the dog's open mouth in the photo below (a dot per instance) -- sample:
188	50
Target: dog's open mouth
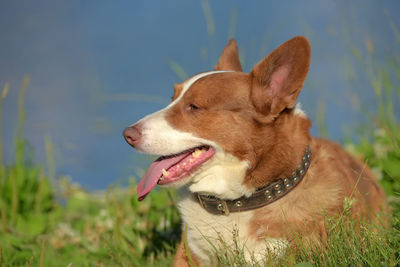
172	168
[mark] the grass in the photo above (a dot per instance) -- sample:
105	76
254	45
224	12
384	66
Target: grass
345	247
49	221
52	222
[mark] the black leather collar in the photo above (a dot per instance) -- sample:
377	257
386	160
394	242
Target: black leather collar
262	197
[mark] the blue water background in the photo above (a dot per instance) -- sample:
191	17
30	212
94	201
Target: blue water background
98	66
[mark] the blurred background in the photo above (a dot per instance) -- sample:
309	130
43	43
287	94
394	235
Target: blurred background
95	67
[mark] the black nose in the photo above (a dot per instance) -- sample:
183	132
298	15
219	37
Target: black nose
132	135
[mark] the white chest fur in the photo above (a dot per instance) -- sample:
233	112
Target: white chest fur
206	231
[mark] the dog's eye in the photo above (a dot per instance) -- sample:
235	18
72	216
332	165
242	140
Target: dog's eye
192	107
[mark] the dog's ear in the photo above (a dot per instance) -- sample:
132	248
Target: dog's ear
277	79
229	59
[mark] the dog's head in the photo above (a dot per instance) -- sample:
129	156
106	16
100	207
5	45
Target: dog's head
221	124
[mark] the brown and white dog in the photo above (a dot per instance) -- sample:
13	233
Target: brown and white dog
239	149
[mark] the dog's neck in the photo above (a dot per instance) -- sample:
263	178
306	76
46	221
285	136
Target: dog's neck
274	154
261	197
278	155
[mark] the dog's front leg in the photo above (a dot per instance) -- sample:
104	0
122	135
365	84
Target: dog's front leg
181	257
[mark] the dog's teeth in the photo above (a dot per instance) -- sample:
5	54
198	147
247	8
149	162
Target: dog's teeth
191	160
165	173
197	153
161	178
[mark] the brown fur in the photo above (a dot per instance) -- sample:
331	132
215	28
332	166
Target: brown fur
251	116
181	257
229	59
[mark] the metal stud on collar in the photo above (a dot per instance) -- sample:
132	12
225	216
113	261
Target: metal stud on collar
261	197
285	184
223	207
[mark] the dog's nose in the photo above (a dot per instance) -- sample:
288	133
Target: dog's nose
132	135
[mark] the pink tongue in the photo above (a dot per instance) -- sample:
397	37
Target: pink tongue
154	173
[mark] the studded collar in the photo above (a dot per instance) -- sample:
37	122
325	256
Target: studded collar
262	197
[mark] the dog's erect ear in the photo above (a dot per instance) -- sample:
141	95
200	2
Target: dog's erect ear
277	80
229	59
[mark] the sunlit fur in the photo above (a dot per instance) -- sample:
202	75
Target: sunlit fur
221	176
205	230
259	134
159	137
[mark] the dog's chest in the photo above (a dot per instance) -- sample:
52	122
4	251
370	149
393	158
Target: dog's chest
207	232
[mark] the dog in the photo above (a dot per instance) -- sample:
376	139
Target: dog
238	147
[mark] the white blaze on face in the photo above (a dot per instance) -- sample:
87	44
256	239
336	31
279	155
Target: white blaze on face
161	138
222	175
